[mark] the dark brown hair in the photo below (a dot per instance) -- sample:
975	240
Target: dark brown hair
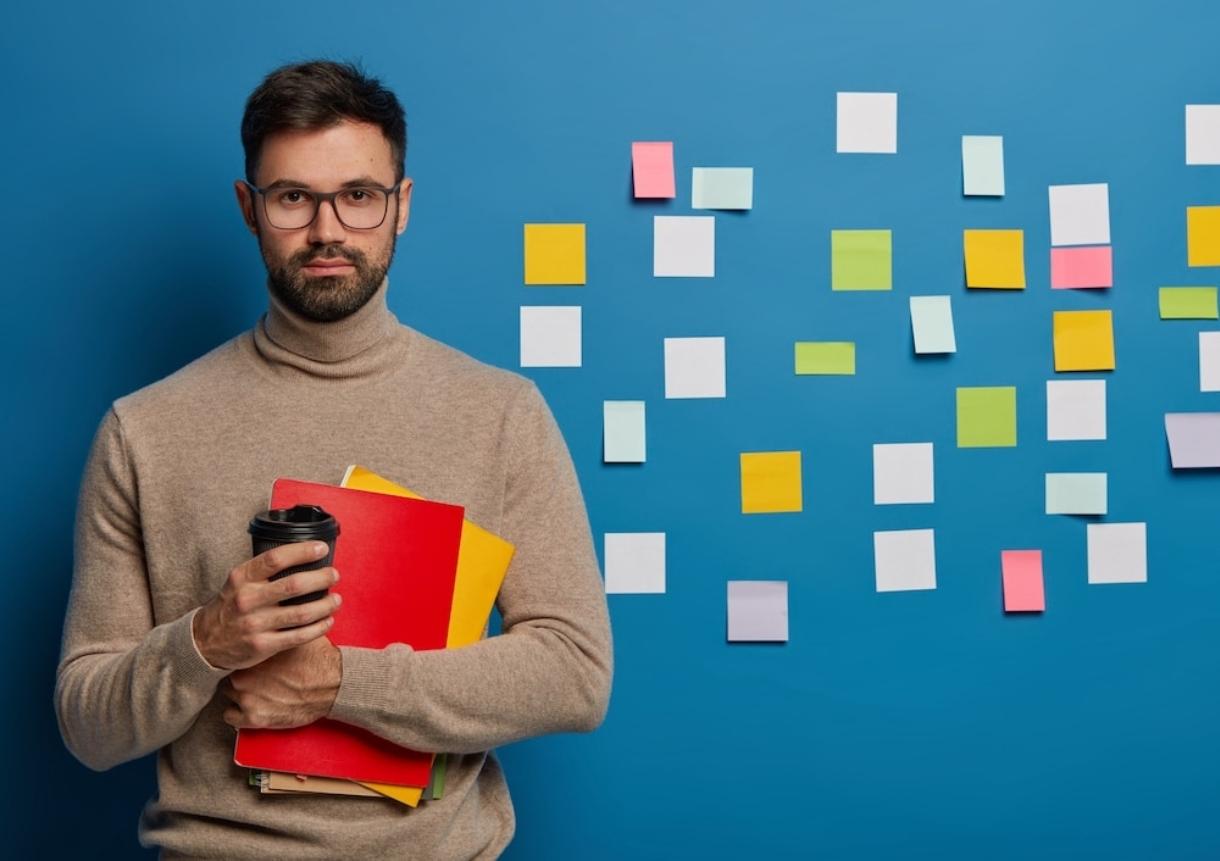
316	95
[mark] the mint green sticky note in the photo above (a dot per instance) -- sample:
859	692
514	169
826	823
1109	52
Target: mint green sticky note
722	188
982	166
986	416
825	357
1075	493
1188	303
623	431
861	260
932	324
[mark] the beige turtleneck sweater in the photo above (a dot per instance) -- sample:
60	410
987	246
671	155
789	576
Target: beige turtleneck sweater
175	473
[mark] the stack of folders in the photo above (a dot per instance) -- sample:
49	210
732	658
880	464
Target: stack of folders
414	571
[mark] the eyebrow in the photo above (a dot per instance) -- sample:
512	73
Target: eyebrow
351	183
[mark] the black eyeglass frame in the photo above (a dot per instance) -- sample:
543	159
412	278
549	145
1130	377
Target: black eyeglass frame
321	197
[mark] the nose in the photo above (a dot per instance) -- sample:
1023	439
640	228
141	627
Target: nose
326	227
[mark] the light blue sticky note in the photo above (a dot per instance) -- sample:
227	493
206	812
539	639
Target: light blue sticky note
722	188
1075	493
623	431
932	324
983	165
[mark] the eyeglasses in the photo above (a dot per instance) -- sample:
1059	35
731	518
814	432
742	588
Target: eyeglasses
357	208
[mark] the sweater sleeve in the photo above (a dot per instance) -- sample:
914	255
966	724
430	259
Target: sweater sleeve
124	687
550	670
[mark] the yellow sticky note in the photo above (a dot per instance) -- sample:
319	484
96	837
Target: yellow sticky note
770	482
554	254
995	258
1084	341
1203	235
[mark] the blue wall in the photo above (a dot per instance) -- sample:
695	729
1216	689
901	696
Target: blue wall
911	725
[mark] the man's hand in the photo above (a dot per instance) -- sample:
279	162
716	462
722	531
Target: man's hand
244	625
293	688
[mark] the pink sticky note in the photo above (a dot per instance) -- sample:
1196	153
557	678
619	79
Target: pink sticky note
652	168
1082	267
1022	580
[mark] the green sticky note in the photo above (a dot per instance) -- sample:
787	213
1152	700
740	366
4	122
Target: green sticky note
1188	303
861	260
932	324
623	431
1075	493
439	767
722	188
825	357
986	416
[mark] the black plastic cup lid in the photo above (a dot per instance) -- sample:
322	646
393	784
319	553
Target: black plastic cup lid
297	523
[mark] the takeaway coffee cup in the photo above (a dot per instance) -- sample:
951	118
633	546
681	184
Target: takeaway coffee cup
290	525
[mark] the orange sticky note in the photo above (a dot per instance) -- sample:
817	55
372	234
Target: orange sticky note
652	168
1084	341
770	482
1203	235
1082	266
995	259
554	254
1022	572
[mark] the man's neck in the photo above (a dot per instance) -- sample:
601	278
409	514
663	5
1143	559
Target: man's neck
331	341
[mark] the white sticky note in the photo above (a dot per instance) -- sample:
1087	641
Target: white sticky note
1075	493
866	122
983	165
623	432
1194	440
1080	214
722	188
902	473
932	324
1075	409
635	563
1209	361
694	368
1118	552
758	611
1203	134
683	246
550	336
904	559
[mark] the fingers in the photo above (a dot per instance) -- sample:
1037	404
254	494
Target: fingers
254	596
276	618
293	637
262	566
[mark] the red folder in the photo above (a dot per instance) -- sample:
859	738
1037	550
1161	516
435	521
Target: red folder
398	560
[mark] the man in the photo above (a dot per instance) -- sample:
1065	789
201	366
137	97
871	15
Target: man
174	636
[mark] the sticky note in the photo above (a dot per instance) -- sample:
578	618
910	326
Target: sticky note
722	188
623	432
1188	303
758	611
1209	361
995	259
932	324
770	482
1203	235
825	357
904	559
1021	571
652	169
1075	493
550	336
635	563
1084	340
1118	552
1194	440
1080	214
986	416
866	122
694	368
902	473
554	254
1075	409
1084	266
683	246
1203	134
861	260
983	165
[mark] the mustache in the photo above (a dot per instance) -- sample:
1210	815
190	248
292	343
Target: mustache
329	252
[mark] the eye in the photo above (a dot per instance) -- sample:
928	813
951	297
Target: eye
360	196
291	197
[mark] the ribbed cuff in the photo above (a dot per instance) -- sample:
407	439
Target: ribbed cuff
363	689
193	670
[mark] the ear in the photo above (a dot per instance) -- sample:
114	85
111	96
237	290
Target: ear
404	204
245	200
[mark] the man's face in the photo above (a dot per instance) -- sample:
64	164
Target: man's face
326	271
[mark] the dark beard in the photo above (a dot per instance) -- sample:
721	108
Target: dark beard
326	298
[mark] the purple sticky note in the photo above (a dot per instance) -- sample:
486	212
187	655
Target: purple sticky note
1194	439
